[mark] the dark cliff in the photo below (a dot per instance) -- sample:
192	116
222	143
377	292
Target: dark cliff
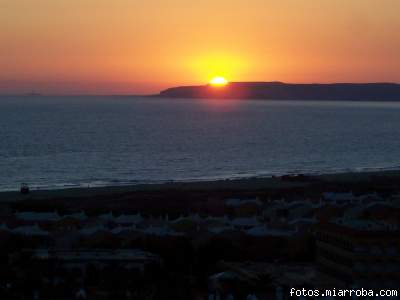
286	91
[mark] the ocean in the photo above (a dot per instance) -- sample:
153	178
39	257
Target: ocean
73	141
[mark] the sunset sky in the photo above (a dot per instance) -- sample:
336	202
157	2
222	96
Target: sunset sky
131	46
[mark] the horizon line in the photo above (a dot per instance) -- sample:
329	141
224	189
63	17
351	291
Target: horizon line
41	94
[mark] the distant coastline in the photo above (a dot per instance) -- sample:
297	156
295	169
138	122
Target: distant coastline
290	91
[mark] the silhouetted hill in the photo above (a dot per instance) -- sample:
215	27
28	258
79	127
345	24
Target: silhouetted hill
287	91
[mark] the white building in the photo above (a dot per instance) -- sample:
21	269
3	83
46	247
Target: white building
38	216
129	219
34	230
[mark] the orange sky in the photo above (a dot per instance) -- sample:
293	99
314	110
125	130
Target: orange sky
142	46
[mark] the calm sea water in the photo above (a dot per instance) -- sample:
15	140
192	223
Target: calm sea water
56	142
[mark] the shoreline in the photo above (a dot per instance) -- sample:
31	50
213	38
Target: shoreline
249	184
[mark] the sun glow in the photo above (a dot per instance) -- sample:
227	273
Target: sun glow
218	81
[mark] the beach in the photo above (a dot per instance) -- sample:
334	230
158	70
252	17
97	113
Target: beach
309	184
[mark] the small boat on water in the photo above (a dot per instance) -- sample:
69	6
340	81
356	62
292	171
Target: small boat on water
33	94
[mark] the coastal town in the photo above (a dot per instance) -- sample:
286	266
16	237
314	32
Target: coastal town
257	245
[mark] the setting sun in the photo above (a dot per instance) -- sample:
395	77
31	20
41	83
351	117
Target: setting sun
218	81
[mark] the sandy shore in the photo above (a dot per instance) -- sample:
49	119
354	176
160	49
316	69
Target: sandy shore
236	185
